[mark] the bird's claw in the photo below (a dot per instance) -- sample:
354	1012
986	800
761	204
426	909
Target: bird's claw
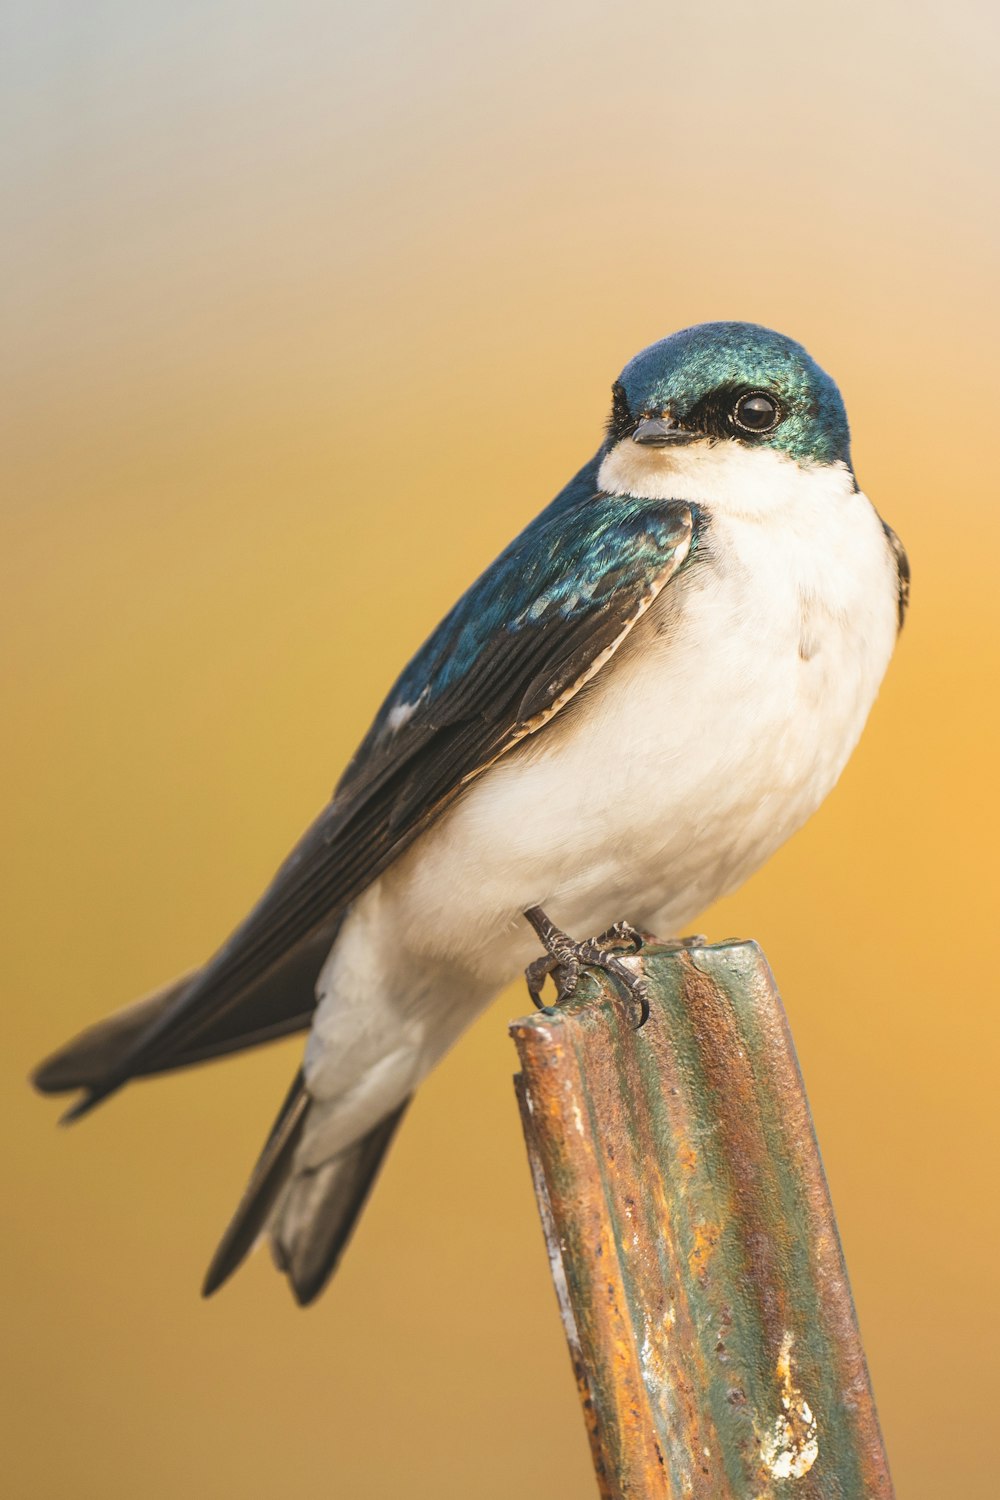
565	974
564	959
622	935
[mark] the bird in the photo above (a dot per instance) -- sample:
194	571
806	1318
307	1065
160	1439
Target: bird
647	692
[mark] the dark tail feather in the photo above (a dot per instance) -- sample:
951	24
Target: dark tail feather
269	1177
317	1219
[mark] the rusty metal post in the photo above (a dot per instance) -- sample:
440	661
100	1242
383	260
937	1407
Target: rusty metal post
692	1241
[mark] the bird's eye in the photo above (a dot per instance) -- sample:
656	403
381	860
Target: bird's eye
755	413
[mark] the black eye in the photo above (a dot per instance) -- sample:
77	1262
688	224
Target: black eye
755	413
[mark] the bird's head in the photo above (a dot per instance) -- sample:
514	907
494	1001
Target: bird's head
710	396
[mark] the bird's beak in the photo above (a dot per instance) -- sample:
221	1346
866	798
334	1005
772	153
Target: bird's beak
657	432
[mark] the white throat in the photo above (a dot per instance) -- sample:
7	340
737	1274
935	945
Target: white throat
724	476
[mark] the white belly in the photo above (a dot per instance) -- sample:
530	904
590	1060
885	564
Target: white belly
705	742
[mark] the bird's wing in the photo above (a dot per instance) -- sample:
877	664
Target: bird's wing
902	572
540	623
273	1005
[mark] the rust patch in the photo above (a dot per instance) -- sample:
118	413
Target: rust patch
706	1237
687	1156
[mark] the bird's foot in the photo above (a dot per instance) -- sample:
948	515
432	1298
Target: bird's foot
564	959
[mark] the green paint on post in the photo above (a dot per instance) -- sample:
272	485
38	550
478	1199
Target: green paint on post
691	1234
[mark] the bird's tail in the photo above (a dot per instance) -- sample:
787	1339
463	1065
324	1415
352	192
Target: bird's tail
309	1214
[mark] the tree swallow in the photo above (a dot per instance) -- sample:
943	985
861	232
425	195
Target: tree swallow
654	685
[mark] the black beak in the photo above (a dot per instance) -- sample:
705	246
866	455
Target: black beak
657	432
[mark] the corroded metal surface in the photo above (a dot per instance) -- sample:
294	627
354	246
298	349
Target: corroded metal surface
693	1245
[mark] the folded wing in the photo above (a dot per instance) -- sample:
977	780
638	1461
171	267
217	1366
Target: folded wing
537	626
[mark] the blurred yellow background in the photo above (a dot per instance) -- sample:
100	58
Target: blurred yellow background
310	307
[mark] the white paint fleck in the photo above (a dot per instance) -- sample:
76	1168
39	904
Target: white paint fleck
652	1356
578	1120
791	1447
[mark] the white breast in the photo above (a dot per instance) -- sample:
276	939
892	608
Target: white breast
709	738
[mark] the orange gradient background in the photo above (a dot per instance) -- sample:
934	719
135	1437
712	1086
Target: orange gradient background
309	309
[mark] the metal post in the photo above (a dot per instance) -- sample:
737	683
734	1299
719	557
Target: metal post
692	1241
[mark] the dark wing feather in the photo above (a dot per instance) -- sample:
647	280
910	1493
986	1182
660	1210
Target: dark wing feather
274	1004
533	629
902	572
94	1052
